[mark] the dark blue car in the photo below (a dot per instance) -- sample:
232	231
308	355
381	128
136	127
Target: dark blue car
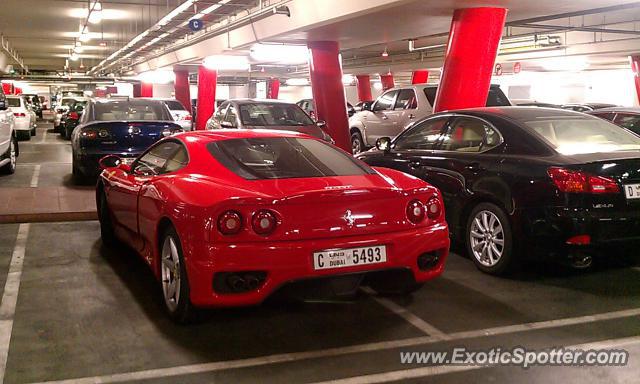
121	126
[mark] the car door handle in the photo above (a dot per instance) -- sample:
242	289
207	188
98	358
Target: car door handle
474	167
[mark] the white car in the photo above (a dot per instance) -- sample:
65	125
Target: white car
8	141
179	113
23	116
62	107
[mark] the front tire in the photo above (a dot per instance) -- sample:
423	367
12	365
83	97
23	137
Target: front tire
357	144
11	154
174	280
33	131
106	225
489	239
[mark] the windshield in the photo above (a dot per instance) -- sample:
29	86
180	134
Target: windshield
138	110
67	102
13	102
576	135
174	105
284	157
273	114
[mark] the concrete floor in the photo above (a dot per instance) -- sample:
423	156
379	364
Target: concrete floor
85	313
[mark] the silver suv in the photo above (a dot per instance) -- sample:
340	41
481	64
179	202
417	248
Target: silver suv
396	109
8	140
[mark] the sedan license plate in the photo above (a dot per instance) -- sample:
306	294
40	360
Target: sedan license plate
632	191
341	258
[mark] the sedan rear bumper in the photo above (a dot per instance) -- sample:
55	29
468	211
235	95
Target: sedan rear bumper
291	261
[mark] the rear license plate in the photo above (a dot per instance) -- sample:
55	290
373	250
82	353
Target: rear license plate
632	191
128	160
341	258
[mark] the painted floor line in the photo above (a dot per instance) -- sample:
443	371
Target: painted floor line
415	373
412	319
44	136
36	176
10	296
338	351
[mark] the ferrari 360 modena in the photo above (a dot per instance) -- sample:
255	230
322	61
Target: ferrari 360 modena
228	218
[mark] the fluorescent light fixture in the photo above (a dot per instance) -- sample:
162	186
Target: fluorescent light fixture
84	34
280	53
178	10
210	9
227	63
565	63
157	77
348	79
297	81
95	16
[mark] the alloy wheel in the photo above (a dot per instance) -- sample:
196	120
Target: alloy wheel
12	153
170	273
355	146
487	238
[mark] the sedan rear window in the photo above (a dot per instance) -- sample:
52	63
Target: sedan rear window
137	110
13	102
283	158
573	135
273	114
174	105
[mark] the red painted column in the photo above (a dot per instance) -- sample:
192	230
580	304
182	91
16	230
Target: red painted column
137	90
420	76
146	90
328	92
635	67
181	88
273	88
207	81
17	91
387	81
7	88
469	59
364	87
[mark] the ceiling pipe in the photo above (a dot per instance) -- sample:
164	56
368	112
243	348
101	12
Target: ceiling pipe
413	48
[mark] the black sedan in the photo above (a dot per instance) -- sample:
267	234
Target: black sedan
522	179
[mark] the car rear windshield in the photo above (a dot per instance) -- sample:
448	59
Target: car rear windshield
576	135
175	105
13	102
283	158
495	98
273	114
138	110
67	102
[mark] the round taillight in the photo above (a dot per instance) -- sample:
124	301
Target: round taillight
264	222
415	211
229	223
434	208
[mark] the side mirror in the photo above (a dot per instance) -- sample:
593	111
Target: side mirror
384	144
110	161
367	106
321	124
226	124
3	104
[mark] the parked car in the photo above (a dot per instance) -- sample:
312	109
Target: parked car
35	103
62	107
125	127
23	115
9	150
179	113
362	105
209	207
71	118
265	114
395	109
628	118
520	179
586	107
309	107
532	103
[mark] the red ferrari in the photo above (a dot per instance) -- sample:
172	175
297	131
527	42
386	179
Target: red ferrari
226	218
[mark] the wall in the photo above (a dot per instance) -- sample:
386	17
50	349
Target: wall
294	93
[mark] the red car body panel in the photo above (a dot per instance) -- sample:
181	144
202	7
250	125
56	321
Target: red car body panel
310	212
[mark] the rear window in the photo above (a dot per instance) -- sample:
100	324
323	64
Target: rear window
571	136
175	105
273	114
137	110
495	98
67	102
283	158
13	102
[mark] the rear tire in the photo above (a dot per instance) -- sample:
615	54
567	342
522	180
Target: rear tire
23	135
489	239
357	144
11	154
106	225
174	280
33	132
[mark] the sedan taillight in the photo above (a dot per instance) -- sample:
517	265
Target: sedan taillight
264	222
20	114
187	118
570	181
229	223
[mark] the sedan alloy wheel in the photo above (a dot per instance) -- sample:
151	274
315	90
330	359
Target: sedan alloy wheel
487	238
